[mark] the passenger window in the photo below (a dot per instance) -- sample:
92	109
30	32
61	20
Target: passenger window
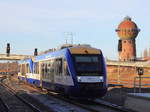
58	66
45	68
42	69
51	69
35	67
66	72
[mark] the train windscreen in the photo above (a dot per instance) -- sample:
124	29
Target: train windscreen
88	65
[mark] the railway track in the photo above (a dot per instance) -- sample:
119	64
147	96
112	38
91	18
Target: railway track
13	102
92	106
3	106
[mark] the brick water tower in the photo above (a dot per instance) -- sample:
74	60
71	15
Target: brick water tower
127	32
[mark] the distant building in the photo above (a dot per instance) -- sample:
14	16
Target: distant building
127	32
146	54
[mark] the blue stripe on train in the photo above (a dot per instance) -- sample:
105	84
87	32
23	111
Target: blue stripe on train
33	81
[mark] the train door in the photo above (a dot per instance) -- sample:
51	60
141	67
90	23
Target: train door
42	72
66	74
24	71
65	71
20	72
20	69
51	73
35	76
47	74
58	71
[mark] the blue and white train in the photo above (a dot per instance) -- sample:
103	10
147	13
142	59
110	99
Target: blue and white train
74	71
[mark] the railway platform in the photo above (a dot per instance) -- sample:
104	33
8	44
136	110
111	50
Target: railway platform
138	102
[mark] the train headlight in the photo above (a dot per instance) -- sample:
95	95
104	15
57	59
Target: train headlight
101	78
79	79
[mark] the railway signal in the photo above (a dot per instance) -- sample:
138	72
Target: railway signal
8	49
140	71
35	52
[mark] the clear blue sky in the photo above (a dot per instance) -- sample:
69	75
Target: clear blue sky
29	24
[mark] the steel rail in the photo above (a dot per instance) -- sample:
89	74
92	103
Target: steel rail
113	106
99	103
35	109
73	102
6	108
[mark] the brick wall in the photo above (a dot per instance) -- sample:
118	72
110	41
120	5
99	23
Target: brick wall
125	74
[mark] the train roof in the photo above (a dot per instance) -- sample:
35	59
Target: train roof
28	60
84	50
80	49
55	54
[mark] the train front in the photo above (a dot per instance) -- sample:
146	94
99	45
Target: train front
88	72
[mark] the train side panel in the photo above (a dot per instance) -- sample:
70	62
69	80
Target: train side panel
54	71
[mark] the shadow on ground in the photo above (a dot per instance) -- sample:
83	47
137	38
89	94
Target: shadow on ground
118	96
